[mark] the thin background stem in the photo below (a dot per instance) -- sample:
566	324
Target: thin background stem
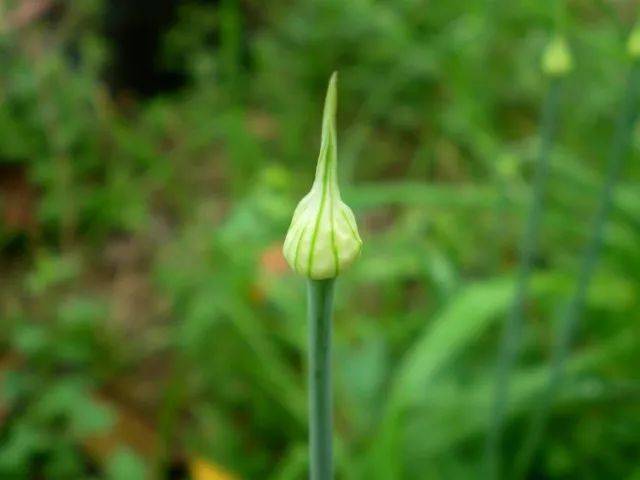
510	342
573	311
320	409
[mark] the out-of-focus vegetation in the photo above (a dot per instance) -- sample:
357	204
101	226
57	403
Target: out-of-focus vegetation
149	323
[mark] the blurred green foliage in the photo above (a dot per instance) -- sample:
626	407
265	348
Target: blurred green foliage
158	223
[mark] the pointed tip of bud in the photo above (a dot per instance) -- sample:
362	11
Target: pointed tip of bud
633	44
556	60
323	238
330	103
328	148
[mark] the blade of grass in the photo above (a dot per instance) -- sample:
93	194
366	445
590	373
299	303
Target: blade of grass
420	193
271	370
294	464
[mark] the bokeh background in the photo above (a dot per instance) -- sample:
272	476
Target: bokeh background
151	154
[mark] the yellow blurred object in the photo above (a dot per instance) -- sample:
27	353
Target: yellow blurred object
202	470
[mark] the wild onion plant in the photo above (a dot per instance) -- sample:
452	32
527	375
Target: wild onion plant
556	63
570	315
322	242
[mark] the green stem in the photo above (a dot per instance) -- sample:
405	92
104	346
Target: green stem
320	417
510	342
571	315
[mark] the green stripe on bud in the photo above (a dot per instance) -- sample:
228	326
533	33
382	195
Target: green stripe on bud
556	60
323	238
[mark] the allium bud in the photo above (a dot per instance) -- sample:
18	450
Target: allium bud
633	44
556	60
323	238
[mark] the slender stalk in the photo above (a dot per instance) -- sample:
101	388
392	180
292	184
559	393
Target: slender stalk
320	417
510	342
573	311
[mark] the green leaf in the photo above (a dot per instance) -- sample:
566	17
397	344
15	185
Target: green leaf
124	464
70	400
460	322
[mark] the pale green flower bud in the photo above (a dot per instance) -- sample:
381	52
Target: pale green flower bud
556	60
323	238
633	44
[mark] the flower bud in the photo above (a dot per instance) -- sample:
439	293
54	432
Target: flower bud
556	60
323	238
633	44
